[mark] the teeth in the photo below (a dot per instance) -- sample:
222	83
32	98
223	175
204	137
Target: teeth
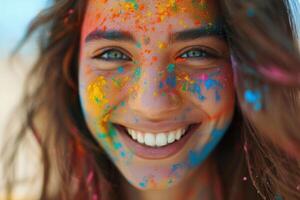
140	138
156	139
150	139
179	133
161	139
171	137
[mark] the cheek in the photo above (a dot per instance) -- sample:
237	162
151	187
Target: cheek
213	91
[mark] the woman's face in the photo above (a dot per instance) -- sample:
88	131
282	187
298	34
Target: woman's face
155	85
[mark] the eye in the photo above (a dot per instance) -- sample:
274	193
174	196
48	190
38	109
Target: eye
113	55
199	53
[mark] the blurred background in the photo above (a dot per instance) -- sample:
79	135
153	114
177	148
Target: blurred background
15	15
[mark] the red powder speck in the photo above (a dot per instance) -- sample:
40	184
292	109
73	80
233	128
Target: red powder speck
154	58
179	60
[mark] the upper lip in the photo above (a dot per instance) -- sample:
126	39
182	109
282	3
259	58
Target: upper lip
157	127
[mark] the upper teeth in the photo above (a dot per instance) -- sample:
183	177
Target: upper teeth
156	139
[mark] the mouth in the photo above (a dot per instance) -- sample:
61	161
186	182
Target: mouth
156	145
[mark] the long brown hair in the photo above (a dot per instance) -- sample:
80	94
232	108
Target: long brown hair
260	37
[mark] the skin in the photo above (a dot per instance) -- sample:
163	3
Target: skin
154	87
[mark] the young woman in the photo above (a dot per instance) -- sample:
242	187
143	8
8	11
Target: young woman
165	100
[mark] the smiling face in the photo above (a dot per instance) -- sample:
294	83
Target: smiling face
155	85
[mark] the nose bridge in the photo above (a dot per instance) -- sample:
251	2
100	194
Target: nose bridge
151	99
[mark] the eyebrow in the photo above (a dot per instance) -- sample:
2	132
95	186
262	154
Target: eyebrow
190	34
110	35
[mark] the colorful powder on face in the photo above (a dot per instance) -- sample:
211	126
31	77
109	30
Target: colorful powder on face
161	85
117	145
171	68
197	89
254	97
171	80
211	83
184	85
137	73
138	45
195	158
120	69
135	4
144	183
95	91
171	76
162	45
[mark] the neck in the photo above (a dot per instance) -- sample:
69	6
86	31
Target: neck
203	183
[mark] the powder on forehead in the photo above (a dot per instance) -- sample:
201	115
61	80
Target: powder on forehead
99	13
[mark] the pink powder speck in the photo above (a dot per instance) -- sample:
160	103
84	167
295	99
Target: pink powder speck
203	77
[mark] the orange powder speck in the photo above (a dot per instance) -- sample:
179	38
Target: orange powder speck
189	80
179	60
141	6
147	51
98	16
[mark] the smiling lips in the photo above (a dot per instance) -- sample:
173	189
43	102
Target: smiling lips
156	145
156	139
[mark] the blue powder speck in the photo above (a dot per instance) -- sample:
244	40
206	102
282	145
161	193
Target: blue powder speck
161	84
171	68
120	69
123	154
171	80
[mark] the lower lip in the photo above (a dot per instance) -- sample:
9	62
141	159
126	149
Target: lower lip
155	152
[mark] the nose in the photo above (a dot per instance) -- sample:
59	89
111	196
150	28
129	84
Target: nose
153	99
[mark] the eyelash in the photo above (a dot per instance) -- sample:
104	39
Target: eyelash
106	56
197	53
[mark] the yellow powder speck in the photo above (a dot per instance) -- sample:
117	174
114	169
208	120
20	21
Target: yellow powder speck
95	91
162	45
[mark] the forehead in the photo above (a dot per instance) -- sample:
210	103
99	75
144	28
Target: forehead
146	17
